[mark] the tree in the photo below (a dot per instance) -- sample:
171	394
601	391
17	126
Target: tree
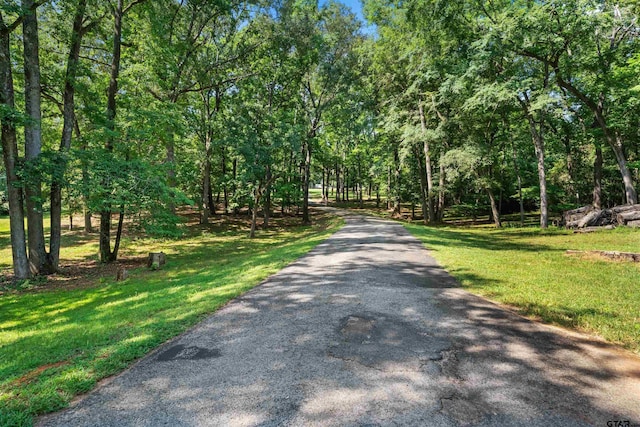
582	43
10	120
106	253
326	57
79	29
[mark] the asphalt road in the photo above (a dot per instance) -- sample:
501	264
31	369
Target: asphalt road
368	330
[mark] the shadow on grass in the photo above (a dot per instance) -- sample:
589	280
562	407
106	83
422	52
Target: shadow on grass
433	236
570	317
98	331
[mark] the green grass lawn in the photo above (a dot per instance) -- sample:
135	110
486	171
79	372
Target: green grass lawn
75	245
59	343
527	268
315	193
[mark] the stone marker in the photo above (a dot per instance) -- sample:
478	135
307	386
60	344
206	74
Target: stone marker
156	260
121	274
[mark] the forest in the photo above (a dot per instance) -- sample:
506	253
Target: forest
129	110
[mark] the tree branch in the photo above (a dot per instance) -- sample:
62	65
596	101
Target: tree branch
18	21
133	3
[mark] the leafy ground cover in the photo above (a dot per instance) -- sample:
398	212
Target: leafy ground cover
58	342
527	269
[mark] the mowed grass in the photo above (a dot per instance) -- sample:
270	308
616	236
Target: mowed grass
75	246
57	344
527	268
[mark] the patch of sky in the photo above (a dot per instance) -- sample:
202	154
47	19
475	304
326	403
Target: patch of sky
356	7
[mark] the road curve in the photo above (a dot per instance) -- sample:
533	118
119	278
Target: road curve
368	330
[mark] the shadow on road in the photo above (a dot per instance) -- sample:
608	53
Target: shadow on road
368	330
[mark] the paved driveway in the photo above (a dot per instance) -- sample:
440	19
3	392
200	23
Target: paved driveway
367	329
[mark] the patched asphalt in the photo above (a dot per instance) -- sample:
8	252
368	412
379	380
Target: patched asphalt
368	330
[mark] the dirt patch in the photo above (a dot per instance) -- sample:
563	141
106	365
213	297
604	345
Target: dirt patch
33	374
72	275
605	255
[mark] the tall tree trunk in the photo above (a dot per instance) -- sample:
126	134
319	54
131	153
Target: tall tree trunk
519	178
536	129
306	219
224	179
116	246
359	185
170	161
10	156
570	166
212	202
631	195
389	201
86	211
286	198
70	215
423	188
495	212
88	227
542	178
337	182
345	185
328	186
441	188
216	108
427	161
234	174
207	197
597	178
105	236
254	213
612	137
38	260
397	208
267	198
324	183
69	124
105	216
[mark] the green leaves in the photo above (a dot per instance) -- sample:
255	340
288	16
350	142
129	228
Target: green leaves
139	187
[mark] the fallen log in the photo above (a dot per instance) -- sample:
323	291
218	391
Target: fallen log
596	228
588	216
606	218
583	209
575	215
615	255
625	217
626	208
590	219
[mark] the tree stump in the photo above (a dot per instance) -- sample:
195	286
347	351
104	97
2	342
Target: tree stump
156	260
121	274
